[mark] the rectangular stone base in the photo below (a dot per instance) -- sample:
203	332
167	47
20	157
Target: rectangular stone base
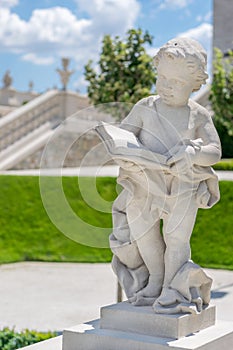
143	320
90	336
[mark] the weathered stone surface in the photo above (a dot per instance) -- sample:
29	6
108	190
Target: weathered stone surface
89	336
143	320
165	148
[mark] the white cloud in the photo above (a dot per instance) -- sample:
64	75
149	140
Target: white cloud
31	57
151	51
174	4
203	33
206	18
12	31
8	3
56	32
110	16
80	84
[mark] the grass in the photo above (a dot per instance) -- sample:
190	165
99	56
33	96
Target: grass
212	243
26	232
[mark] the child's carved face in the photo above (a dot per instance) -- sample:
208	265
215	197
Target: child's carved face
174	82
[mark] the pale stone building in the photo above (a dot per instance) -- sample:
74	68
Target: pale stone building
28	120
223	25
10	98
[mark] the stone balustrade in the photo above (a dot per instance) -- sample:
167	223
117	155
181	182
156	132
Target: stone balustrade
53	106
26	129
24	120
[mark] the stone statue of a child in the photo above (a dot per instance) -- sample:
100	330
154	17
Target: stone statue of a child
154	267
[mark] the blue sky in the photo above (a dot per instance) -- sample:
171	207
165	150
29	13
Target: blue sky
34	35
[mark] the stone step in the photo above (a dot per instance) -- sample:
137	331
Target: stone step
25	146
90	336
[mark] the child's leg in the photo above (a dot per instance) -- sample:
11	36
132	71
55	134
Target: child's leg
177	231
151	247
145	230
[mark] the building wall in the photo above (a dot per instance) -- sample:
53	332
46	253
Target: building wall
74	143
4	110
86	151
11	97
223	24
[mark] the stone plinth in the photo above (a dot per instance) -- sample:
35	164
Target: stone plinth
90	336
143	320
126	327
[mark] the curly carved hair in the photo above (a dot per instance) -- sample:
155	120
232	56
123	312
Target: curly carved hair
191	52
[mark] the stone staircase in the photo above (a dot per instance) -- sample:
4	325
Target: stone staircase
25	131
28	128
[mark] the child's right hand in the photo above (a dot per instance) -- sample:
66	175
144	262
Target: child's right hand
183	160
129	166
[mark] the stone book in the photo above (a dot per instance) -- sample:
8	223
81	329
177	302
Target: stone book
123	145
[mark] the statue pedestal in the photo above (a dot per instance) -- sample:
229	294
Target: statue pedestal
123	326
143	320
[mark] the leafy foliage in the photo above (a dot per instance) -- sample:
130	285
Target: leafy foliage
126	73
11	340
226	141
222	90
224	164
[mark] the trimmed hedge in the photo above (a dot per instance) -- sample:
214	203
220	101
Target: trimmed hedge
224	164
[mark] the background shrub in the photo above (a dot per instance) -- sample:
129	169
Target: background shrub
12	340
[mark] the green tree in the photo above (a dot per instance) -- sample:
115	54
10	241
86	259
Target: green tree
125	71
222	91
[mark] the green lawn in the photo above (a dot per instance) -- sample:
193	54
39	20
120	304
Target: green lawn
26	232
212	238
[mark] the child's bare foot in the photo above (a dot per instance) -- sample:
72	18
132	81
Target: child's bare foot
143	301
150	292
169	297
